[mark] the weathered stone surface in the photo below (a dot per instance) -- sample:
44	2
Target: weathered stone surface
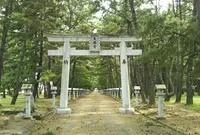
19	116
6	121
37	115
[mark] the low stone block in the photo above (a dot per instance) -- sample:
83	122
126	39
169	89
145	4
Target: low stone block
63	111
37	115
126	110
122	110
6	121
19	116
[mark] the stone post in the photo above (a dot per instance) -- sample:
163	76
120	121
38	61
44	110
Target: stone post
77	93
69	94
27	94
117	93
137	92
74	94
53	89
80	92
113	93
160	93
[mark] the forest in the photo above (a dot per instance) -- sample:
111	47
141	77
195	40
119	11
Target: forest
170	45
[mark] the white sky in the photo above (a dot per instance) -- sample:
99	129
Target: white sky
164	3
163	6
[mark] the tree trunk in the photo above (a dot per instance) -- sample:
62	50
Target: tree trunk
140	76
9	92
18	79
132	70
150	85
145	80
168	76
173	7
111	82
4	93
116	72
133	14
35	91
189	82
198	87
45	90
48	89
117	75
73	75
196	10
3	42
179	90
2	50
179	83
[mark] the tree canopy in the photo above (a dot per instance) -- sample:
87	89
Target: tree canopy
170	44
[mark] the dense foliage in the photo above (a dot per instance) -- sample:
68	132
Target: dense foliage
169	35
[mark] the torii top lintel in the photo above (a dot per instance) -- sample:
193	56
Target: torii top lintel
86	38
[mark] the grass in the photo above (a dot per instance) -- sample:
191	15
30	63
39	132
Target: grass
41	103
194	106
6	101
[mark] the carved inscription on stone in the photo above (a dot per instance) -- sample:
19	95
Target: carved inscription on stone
94	44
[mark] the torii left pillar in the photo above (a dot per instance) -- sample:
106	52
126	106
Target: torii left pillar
65	81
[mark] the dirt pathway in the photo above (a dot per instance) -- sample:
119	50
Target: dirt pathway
97	114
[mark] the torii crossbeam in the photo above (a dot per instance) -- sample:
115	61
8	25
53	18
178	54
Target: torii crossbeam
95	50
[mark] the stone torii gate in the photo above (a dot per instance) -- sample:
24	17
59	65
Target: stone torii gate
123	51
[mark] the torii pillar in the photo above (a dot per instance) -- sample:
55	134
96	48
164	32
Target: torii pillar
65	81
126	106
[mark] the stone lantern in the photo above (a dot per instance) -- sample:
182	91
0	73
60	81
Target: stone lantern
160	93
27	93
137	92
53	92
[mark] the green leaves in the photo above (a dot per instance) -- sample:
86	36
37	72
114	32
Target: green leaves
47	75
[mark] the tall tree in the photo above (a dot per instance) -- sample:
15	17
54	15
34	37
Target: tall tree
8	6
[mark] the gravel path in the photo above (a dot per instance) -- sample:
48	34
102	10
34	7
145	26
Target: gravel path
97	114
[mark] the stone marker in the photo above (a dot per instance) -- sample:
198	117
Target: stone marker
160	93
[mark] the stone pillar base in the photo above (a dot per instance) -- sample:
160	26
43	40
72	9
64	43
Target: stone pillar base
63	111
53	107
160	118
126	110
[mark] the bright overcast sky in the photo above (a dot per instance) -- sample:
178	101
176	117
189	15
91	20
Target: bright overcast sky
164	3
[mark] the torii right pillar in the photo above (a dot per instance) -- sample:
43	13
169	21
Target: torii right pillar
126	106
